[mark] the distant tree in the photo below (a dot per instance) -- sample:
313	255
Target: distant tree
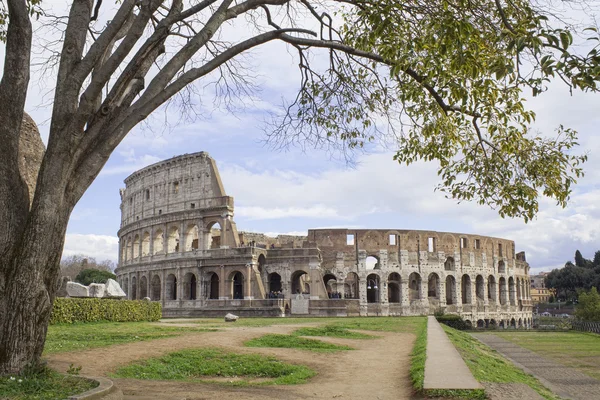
88	276
579	260
589	306
596	261
71	266
568	280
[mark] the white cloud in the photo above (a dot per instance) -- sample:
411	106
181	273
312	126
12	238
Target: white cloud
130	165
101	247
317	211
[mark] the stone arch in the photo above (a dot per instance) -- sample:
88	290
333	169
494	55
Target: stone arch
155	293
480	288
480	323
274	282
237	285
173	240
373	287
214	237
520	323
136	247
449	264
351	286
330	282
262	260
493	323
394	288
501	267
300	282
451	290
191	237
145	244
433	286
129	249
448	243
171	288
133	288
491	288
190	283
124	250
511	291
372	262
468	324
502	291
414	286
143	287
465	285
159	242
213	281
513	323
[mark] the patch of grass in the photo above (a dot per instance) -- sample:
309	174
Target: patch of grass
418	355
294	342
487	365
63	338
580	350
332	331
43	385
195	364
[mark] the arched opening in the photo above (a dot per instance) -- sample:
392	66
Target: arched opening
351	286
511	291
479	288
433	286
513	323
237	282
394	281
262	260
330	282
159	242
214	286
520	323
450	290
173	240
136	246
191	237
129	250
133	288
480	323
502	284
171	288
143	287
414	286
155	294
519	292
126	286
274	283
213	236
493	324
449	264
501	267
372	262
145	245
300	283
124	250
189	286
465	284
373	285
491	289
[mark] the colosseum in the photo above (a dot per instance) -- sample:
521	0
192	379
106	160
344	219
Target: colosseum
179	244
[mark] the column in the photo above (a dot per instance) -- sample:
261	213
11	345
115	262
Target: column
222	284
248	290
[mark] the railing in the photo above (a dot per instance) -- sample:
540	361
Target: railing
586	326
246	303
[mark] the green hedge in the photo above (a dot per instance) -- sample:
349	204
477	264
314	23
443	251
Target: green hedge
70	310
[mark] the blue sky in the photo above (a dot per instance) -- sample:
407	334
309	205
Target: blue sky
293	191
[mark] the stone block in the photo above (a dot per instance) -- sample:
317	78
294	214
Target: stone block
113	290
97	290
231	318
75	289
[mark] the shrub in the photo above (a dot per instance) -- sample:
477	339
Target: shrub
88	276
453	321
70	310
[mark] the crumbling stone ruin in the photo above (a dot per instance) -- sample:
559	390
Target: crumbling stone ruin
179	245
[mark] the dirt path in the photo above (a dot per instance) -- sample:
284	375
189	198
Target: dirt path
377	369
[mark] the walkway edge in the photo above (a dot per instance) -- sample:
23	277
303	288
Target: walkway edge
105	386
444	366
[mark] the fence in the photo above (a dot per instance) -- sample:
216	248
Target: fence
585	326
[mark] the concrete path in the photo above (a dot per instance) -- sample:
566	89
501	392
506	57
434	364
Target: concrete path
565	381
444	367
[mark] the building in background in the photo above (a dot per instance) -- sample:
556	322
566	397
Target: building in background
539	292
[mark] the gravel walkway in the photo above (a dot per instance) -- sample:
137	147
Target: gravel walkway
565	381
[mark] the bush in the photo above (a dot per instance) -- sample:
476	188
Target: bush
69	310
453	321
88	276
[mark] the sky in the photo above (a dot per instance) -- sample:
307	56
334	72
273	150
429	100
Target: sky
291	191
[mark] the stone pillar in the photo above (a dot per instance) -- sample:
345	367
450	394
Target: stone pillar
163	287
223	285
362	290
138	286
248	290
181	237
404	292
224	241
179	285
383	291
458	289
486	301
151	244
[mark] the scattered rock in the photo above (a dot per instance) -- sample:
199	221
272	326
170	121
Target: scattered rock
231	318
146	299
75	289
97	289
113	290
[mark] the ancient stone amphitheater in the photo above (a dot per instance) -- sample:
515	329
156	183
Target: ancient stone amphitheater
179	245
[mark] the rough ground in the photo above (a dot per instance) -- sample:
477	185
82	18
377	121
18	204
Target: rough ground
377	369
565	381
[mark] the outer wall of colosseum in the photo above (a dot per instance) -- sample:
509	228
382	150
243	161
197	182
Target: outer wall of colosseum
179	245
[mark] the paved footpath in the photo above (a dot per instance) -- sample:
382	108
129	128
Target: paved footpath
565	381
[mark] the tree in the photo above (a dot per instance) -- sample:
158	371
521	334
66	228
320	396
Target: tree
71	266
579	260
588	308
87	276
446	76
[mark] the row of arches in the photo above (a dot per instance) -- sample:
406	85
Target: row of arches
372	262
502	324
167	240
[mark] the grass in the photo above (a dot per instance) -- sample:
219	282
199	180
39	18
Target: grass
63	338
203	364
487	365
332	331
294	342
417	357
42	385
579	350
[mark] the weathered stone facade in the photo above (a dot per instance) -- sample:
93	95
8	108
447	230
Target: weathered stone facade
179	245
